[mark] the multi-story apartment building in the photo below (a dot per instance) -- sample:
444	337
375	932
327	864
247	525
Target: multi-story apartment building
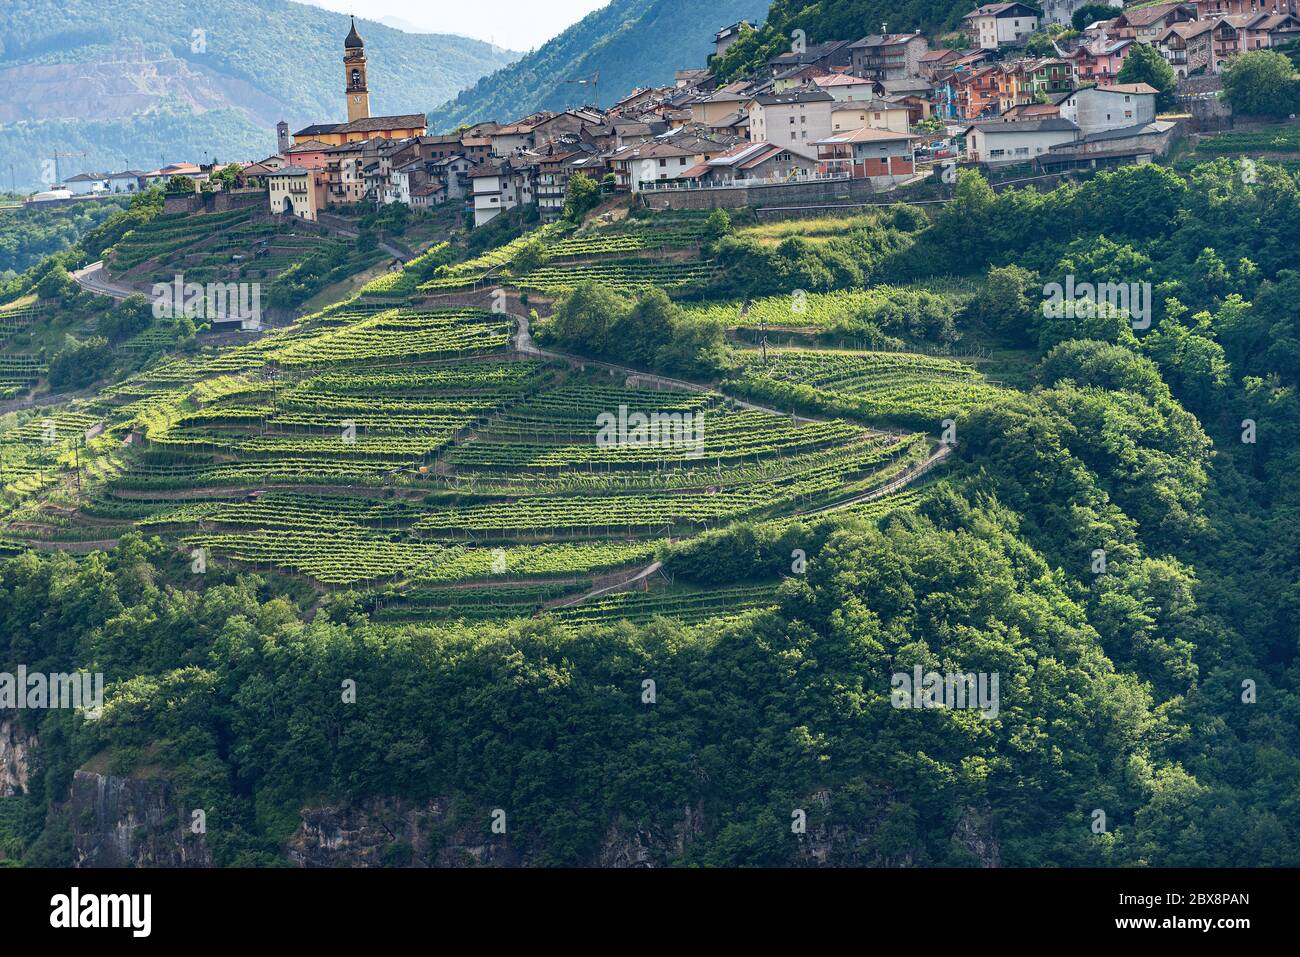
1100	62
1146	24
892	56
499	186
1199	45
1218	8
345	176
1049	76
790	118
870	114
995	25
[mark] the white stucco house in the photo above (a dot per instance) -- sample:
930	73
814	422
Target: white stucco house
996	25
997	142
1095	109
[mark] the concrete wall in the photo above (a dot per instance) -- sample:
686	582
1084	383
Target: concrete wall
1209	112
217	202
1160	142
776	194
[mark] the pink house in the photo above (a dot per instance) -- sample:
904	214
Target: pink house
1099	62
308	155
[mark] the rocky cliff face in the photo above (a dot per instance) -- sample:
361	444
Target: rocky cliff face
15	754
628	845
129	822
855	845
391	832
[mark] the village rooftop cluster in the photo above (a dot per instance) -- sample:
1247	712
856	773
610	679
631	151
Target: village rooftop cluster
885	110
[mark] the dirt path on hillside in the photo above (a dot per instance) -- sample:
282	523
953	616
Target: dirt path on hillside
524	343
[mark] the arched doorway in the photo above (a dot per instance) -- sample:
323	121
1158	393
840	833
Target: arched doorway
288	206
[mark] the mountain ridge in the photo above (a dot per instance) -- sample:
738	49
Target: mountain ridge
127	65
629	43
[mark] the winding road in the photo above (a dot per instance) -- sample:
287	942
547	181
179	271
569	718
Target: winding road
94	278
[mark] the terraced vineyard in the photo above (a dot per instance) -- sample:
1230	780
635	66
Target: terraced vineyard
15	318
238	246
905	388
424	604
603	253
622	274
404	451
168	234
901	308
18	373
684	605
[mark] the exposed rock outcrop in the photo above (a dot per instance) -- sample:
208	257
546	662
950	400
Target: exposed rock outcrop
134	822
15	758
392	832
839	843
133	80
628	845
131	822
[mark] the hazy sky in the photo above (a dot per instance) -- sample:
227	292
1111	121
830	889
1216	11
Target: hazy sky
515	24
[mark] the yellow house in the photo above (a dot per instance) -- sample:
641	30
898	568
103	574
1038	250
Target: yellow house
869	114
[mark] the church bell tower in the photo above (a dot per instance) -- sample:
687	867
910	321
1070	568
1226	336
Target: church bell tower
354	71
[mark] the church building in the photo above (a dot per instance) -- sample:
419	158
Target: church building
360	125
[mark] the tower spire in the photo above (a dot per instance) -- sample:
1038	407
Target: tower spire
354	39
354	71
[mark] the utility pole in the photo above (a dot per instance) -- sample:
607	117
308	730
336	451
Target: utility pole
56	155
592	81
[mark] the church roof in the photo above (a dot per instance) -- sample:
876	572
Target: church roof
354	39
370	124
317	129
